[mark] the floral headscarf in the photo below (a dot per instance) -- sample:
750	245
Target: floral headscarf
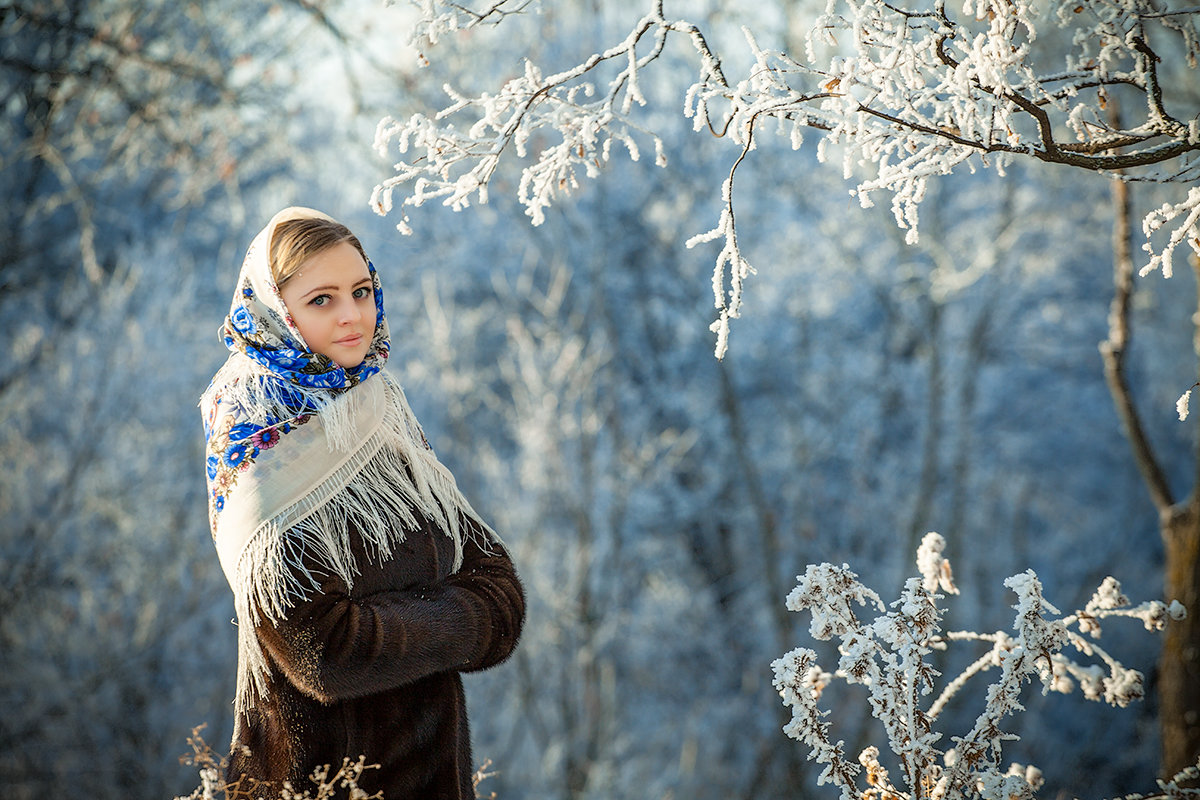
260	328
302	455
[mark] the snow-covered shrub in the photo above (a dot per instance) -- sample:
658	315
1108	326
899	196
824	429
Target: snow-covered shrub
886	651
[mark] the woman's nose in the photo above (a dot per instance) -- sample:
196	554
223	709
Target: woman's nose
350	313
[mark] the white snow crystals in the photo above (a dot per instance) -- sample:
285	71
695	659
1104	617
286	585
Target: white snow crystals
1188	229
885	652
933	567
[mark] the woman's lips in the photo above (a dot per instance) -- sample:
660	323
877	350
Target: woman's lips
349	341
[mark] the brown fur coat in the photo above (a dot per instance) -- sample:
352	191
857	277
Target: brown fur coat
374	671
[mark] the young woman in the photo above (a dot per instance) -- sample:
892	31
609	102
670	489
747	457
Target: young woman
363	580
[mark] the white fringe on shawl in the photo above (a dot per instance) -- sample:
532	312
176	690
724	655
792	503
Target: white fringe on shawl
361	464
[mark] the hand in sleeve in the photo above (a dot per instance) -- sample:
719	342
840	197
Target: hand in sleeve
334	646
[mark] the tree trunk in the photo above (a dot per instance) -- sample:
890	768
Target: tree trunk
1179	664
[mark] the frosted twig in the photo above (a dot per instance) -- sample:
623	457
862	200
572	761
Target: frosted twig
887	656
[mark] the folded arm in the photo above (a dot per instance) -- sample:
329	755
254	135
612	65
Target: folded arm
335	646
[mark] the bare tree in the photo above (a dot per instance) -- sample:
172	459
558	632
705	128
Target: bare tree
1179	517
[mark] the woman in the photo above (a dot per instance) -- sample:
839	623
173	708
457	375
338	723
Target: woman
363	580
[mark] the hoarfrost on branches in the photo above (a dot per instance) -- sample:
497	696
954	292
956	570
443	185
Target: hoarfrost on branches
934	567
906	93
887	655
437	19
453	164
1181	405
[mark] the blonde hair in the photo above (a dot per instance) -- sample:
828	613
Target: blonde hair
297	240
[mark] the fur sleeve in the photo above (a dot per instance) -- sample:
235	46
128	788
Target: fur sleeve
335	646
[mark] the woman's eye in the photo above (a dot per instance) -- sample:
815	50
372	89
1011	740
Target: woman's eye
361	292
319	300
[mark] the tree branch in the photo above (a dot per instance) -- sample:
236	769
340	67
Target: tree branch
911	95
1113	349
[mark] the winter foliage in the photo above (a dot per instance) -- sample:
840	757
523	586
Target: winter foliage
904	94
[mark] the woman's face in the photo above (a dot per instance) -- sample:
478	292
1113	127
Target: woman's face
332	302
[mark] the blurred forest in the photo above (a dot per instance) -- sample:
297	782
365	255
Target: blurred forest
658	502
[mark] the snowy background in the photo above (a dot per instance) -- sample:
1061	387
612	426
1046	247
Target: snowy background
659	503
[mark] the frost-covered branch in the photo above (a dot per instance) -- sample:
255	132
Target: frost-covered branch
438	18
452	163
885	652
906	93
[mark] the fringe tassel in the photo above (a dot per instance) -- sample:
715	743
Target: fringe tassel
392	481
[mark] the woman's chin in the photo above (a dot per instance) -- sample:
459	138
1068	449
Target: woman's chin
347	361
